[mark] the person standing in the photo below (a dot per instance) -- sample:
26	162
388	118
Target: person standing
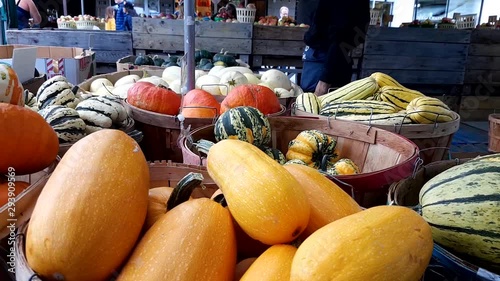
110	19
27	10
336	28
128	9
120	15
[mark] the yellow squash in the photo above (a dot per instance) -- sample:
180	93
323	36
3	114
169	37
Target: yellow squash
263	197
378	244
91	211
273	265
328	201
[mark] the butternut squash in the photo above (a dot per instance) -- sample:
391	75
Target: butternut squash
263	197
328	201
273	265
91	211
378	244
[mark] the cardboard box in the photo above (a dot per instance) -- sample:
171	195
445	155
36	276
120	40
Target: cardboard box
76	64
127	63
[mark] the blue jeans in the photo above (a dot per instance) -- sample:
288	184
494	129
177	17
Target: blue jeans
312	66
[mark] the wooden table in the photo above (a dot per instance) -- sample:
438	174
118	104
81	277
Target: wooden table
109	46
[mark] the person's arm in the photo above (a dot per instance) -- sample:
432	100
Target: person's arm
34	12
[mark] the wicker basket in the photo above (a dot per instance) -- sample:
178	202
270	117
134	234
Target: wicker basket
245	15
66	25
161	174
85	24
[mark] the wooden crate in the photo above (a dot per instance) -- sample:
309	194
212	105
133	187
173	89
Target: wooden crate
109	46
168	35
478	108
417	56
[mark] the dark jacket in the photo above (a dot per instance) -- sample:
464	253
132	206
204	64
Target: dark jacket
120	17
128	19
337	28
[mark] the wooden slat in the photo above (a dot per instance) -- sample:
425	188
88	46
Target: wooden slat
484	50
202	28
416	63
476	115
278	47
418	35
103	43
485	36
415	49
262	32
420	76
480	103
173	43
486	77
483	63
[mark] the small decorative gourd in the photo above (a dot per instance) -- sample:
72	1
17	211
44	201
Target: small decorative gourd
313	147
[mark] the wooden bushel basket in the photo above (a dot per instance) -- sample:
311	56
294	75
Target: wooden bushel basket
494	133
433	140
383	157
444	264
161	174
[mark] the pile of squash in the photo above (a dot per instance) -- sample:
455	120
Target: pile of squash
377	99
312	148
298	224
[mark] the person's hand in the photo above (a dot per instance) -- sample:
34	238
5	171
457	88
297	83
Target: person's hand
321	88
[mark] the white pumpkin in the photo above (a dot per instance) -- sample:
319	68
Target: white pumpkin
240	69
215	70
127	79
252	79
156	80
98	83
104	91
122	90
283	93
171	73
265	85
276	79
198	73
208	80
176	86
297	90
230	80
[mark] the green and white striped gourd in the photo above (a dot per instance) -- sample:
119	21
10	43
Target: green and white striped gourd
244	123
462	205
56	91
102	112
358	107
274	153
308	102
65	121
378	119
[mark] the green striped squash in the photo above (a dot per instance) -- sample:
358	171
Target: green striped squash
398	96
378	119
274	153
65	121
356	90
102	112
56	91
358	107
244	123
314	147
462	205
308	102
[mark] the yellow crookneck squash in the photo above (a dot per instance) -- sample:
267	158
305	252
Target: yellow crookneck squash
90	213
263	197
194	240
328	201
273	265
379	244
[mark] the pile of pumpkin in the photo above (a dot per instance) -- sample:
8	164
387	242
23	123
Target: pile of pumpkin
312	148
284	214
377	99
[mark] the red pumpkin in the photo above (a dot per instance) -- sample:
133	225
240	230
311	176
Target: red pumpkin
11	89
200	104
260	97
28	143
159	99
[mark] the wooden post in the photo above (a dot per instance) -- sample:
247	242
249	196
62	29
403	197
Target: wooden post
83	8
189	23
65	7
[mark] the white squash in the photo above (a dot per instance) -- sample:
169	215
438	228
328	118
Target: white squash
171	73
104	91
98	83
215	70
176	86
156	80
265	85
252	79
283	93
276	79
240	69
230	80
122	90
297	90
127	79
198	73
208	80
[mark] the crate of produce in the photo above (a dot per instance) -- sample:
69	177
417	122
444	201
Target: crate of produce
455	262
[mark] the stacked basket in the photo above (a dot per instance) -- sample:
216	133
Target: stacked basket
245	15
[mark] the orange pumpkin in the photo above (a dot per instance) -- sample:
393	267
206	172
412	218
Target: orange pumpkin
260	97
28	143
147	96
11	89
16	187
200	104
